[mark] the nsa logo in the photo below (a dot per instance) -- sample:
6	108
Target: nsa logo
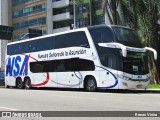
139	77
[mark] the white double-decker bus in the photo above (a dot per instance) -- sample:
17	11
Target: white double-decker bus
97	57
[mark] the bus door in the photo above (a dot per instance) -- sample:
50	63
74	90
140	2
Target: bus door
67	76
108	73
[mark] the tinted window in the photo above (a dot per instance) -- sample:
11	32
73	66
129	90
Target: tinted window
109	61
62	41
73	39
74	64
101	34
43	66
86	65
37	67
135	63
128	37
31	46
63	65
107	55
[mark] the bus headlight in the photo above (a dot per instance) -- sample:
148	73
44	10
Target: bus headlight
127	78
124	77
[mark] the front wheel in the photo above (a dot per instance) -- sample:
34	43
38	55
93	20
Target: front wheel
27	84
91	85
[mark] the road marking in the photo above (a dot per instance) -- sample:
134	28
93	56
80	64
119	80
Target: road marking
8	108
72	97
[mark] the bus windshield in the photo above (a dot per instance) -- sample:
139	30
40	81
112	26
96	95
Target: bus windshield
127	37
135	63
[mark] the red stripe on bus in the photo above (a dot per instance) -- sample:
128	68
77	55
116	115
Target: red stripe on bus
43	83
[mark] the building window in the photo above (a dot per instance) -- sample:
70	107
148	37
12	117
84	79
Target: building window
20	2
81	22
99	4
100	19
55	0
30	10
61	24
57	11
82	8
34	22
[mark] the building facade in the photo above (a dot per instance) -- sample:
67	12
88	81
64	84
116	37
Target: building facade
28	14
50	16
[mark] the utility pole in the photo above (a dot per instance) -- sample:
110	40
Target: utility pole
90	13
74	12
73	2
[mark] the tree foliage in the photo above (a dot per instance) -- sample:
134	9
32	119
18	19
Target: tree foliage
145	17
142	15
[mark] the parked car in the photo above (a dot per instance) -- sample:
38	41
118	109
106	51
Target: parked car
1	75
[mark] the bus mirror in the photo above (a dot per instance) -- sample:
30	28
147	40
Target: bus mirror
154	52
115	45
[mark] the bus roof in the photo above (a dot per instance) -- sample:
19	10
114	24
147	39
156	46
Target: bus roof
79	29
97	26
49	35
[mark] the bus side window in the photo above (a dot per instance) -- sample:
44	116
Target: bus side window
82	65
75	64
37	67
63	65
109	61
86	65
102	35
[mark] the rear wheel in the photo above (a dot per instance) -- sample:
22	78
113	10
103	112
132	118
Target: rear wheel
27	83
19	83
6	86
91	84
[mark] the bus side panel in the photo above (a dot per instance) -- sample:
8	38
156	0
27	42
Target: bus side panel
108	79
86	74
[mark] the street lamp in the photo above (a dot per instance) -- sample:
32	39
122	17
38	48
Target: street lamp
74	12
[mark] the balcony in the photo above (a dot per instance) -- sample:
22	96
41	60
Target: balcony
63	16
60	3
61	29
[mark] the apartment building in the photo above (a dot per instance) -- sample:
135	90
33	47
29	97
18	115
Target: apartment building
28	14
52	16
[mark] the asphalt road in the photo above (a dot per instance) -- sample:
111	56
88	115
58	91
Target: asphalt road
69	100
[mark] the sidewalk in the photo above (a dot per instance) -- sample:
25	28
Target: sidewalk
149	90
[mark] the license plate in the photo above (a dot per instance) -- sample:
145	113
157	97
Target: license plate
139	86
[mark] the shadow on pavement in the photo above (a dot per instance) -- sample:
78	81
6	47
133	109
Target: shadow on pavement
148	91
156	91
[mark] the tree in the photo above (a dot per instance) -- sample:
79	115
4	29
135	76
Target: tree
110	9
144	16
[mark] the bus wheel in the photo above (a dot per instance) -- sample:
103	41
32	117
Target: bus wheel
19	83
6	86
27	83
90	84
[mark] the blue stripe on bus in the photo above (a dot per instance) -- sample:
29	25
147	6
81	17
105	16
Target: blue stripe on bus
116	79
